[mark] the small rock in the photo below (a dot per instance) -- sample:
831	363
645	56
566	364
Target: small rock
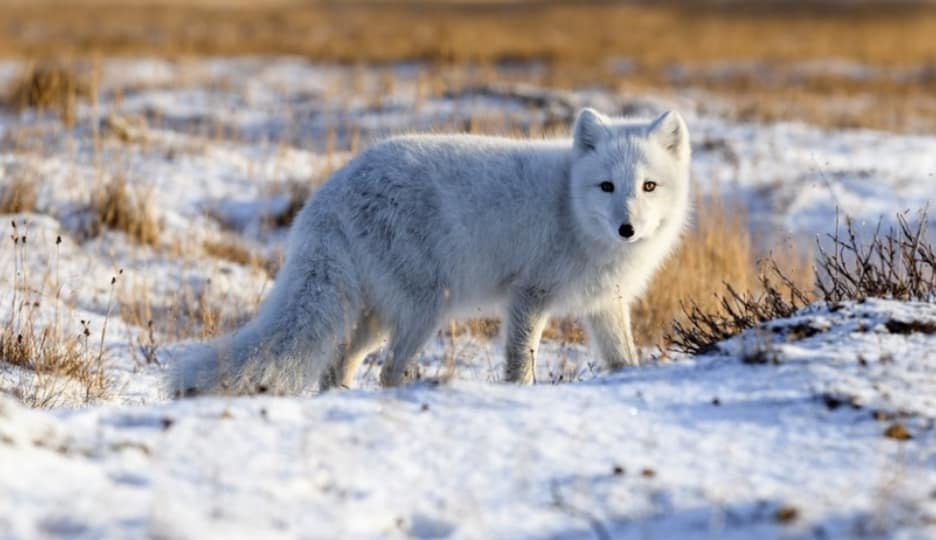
897	432
786	514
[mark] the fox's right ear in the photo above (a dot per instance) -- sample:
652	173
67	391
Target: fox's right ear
590	128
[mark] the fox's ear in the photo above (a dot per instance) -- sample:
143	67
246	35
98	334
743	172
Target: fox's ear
670	131
591	127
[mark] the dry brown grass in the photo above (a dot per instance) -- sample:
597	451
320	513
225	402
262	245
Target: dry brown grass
576	43
117	206
59	363
54	359
187	315
52	86
18	195
572	33
230	248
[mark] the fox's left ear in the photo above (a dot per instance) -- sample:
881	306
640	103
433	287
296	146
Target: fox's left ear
670	131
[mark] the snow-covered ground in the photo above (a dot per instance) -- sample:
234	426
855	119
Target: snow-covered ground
707	446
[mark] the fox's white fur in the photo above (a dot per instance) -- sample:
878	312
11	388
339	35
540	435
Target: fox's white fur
420	228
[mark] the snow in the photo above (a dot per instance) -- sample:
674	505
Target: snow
711	446
471	460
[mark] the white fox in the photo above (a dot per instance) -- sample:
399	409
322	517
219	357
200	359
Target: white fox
423	227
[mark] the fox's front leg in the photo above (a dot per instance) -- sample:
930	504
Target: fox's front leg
611	333
525	323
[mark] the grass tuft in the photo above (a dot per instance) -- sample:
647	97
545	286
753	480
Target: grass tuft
52	357
116	206
55	359
18	196
50	86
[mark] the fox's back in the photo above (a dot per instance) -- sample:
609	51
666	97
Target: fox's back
466	213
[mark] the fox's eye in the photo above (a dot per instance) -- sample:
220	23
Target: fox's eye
607	187
649	186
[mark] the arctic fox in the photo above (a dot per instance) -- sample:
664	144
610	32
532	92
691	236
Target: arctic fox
419	228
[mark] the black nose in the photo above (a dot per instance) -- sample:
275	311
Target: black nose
626	230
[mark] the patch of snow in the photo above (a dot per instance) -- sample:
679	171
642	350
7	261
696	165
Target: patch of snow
704	447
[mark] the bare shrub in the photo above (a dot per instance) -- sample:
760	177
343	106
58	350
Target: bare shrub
114	205
900	264
702	326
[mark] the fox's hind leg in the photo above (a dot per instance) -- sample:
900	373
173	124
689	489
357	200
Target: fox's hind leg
525	323
364	338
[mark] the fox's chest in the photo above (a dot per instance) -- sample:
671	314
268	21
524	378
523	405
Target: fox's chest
591	287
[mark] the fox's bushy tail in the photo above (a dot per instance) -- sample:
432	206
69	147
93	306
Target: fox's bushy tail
216	367
285	349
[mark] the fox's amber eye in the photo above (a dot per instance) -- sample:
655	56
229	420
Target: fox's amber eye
649	186
607	187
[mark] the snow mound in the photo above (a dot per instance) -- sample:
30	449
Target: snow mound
816	425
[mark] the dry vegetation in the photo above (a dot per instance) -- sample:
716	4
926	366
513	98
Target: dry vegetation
230	248
54	86
118	206
718	250
55	359
58	361
666	45
17	195
899	264
575	34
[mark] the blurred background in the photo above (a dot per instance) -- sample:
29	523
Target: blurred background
836	63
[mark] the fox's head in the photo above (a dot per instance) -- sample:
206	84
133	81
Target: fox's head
629	179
